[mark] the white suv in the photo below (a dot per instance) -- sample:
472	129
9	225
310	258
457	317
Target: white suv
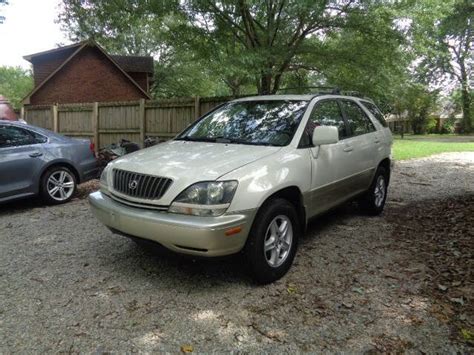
248	176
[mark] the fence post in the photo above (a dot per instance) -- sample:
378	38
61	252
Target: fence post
22	113
142	119
54	108
95	125
197	107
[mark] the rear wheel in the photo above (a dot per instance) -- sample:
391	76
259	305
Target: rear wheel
373	201
273	240
58	185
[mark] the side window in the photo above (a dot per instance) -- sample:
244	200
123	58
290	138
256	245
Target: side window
325	113
358	121
11	136
376	112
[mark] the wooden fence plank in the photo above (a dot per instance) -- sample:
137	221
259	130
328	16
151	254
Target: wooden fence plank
108	122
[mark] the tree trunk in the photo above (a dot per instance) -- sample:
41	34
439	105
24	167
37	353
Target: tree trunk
466	109
265	84
466	99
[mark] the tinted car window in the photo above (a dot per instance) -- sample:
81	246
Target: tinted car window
325	113
358	121
11	136
376	112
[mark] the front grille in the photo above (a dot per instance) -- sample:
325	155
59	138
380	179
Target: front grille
140	185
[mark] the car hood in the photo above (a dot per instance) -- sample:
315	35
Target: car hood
190	162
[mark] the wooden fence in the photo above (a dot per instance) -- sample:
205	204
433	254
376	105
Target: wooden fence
108	122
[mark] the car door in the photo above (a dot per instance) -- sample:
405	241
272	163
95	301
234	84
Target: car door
361	144
21	159
331	164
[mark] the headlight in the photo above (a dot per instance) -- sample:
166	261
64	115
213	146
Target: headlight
205	198
103	179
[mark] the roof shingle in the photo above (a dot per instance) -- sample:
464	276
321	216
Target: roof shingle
135	64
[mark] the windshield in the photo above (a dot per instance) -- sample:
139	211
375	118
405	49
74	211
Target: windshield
271	122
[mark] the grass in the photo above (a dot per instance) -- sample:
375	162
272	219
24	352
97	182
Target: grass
407	148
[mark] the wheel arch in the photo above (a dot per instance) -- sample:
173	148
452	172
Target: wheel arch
387	165
293	195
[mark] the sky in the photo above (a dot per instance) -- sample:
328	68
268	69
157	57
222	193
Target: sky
29	27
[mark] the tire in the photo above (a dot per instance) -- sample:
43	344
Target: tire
373	201
266	267
58	185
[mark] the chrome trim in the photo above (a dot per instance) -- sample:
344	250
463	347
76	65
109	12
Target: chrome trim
141	186
147	206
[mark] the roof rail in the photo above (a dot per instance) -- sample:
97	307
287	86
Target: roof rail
323	89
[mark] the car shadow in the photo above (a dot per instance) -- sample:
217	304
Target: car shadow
21	205
157	263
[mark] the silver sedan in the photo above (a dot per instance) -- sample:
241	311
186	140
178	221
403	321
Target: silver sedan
35	161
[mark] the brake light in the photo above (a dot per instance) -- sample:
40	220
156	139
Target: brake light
92	147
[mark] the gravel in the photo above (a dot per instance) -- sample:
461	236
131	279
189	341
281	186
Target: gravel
68	285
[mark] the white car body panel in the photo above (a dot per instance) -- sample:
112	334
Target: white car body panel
324	177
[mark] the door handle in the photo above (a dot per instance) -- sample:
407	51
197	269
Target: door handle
348	148
36	154
377	141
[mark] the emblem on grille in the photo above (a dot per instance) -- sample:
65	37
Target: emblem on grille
133	184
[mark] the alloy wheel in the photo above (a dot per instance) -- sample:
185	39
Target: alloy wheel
60	185
278	241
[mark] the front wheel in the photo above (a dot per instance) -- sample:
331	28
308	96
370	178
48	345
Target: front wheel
373	201
58	185
273	240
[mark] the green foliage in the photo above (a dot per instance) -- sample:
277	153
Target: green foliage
2	3
239	47
443	37
15	84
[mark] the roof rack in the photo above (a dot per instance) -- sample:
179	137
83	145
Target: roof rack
325	90
322	89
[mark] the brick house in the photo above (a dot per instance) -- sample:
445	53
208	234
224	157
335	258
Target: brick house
85	72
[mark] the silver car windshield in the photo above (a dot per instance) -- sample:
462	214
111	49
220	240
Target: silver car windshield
271	122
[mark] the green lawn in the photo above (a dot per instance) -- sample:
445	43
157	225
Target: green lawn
409	148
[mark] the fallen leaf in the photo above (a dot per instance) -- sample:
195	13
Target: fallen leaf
187	348
291	289
467	334
359	290
457	300
442	287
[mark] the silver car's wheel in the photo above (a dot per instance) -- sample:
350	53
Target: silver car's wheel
380	191
60	185
373	201
273	240
278	240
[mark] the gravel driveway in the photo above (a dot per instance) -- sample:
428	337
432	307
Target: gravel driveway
67	284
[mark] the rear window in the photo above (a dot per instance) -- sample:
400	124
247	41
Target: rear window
375	112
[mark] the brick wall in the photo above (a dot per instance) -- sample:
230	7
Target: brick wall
88	77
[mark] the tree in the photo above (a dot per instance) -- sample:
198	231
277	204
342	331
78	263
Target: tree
2	3
444	36
271	33
239	47
15	84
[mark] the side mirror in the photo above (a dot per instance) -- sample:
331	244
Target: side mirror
325	135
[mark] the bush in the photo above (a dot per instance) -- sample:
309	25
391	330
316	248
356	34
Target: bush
432	125
448	126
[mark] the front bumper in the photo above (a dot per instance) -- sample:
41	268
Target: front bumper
204	236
